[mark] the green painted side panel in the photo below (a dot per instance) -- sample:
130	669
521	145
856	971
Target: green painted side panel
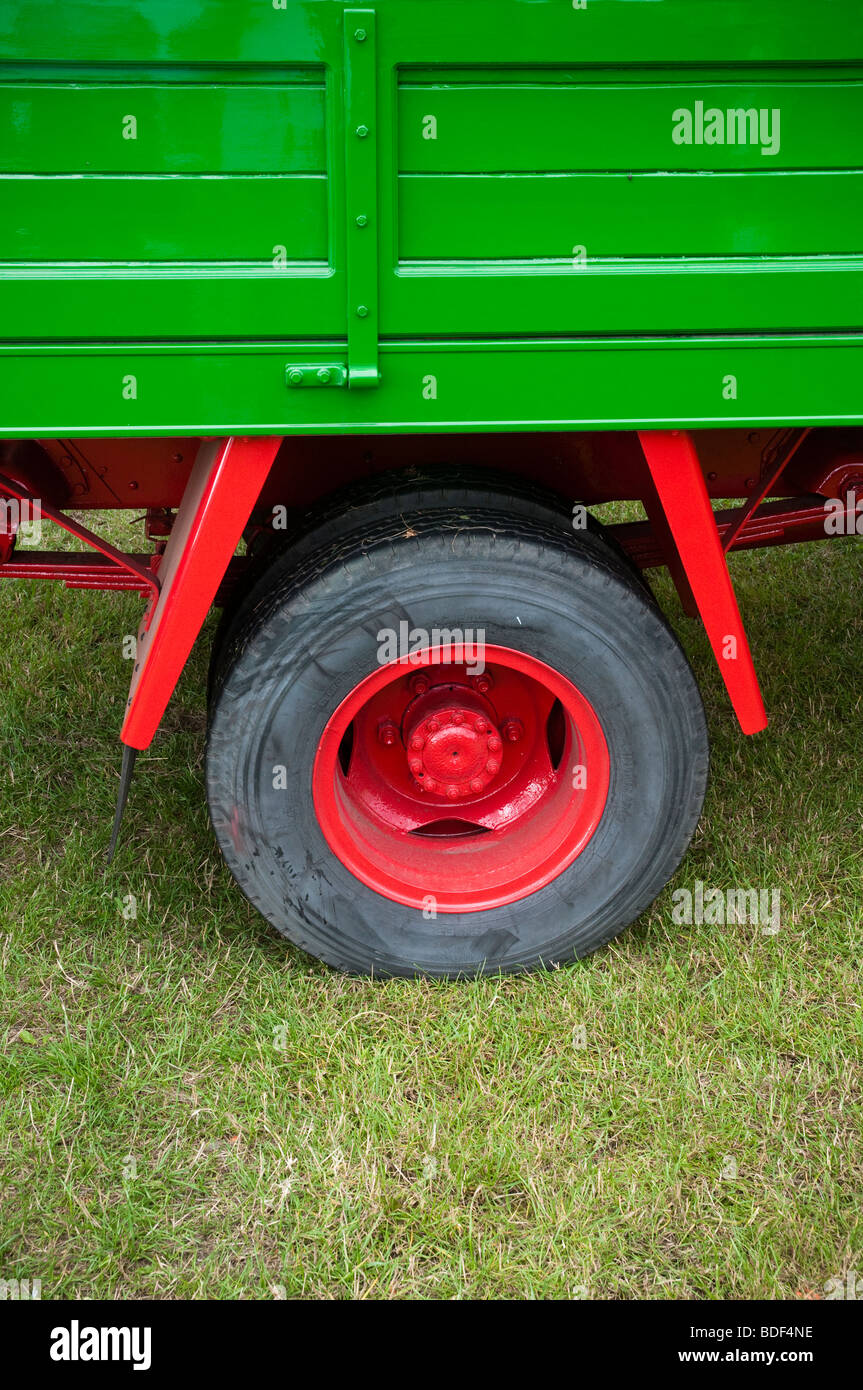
543	198
619	121
105	217
195	121
515	216
438	387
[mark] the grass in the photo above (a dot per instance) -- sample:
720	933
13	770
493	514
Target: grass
192	1109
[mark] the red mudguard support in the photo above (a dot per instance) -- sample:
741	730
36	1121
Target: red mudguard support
679	481
223	488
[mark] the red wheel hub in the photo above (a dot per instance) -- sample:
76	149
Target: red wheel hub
453	746
446	790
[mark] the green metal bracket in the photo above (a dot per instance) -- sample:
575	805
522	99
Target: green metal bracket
361	195
316	374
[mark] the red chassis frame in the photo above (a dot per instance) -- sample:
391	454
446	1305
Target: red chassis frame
227	489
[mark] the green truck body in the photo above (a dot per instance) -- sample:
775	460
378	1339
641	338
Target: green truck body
474	214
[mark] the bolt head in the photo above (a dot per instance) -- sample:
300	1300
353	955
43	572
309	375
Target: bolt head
481	726
418	742
492	766
416	765
452	793
513	730
477	784
433	726
295	378
362	131
419	684
387	733
360	35
483	684
362	311
429	784
494	744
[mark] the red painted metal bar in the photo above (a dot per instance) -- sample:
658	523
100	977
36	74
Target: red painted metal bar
679	481
792	521
81	570
132	564
224	485
774	465
77	570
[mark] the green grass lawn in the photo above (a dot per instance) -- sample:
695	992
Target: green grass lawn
193	1109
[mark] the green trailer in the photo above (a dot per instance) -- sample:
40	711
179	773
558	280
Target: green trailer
367	307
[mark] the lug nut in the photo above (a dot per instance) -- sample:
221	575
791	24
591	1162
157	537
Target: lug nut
416	765
494	744
429	784
477	785
452	793
433	726
387	733
512	730
419	684
418	742
492	766
481	726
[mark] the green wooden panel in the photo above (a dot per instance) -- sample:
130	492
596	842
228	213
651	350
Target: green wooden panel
581	122
164	217
176	127
106	302
591	383
524	215
729	295
473	256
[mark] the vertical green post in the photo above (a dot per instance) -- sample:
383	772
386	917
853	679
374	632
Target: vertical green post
361	196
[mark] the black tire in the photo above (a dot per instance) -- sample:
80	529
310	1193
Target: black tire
385	497
300	648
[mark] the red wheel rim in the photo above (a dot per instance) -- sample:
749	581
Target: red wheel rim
448	790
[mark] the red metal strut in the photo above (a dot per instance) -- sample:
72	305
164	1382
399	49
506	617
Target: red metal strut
679	482
224	486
